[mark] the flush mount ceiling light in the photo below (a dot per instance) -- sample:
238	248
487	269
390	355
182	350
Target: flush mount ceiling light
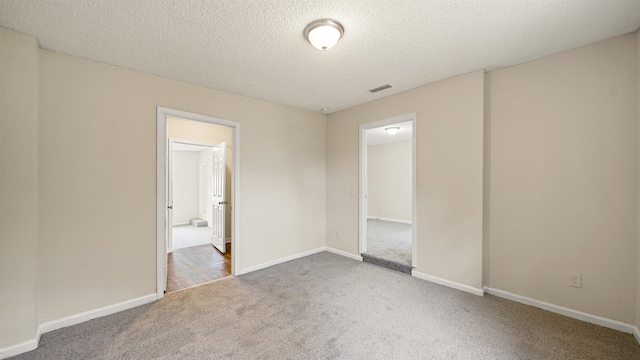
323	34
392	130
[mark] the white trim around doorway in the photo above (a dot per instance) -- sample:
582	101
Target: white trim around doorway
161	185
362	188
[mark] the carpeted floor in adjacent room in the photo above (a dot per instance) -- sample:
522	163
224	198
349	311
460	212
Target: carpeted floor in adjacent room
389	245
325	306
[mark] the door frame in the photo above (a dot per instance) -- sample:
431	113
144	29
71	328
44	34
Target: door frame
161	187
362	187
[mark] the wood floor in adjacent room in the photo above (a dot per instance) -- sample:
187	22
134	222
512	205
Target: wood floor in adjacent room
196	265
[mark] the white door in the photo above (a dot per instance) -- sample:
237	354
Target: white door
170	197
219	172
169	213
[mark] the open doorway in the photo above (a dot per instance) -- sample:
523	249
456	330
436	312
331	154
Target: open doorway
387	188
198	194
197	186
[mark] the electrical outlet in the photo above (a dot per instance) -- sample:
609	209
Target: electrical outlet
338	234
575	280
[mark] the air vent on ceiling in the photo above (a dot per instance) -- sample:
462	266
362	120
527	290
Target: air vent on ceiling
380	88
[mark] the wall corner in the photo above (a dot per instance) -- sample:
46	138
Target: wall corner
18	189
486	182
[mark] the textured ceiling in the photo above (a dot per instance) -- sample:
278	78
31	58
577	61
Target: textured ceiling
256	48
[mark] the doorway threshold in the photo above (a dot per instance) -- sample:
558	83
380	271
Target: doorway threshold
389	264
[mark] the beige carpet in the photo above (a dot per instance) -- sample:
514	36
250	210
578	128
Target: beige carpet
326	306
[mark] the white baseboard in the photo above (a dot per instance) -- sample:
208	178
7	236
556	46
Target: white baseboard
389	219
419	275
636	334
594	319
343	253
448	283
279	261
73	320
227	240
180	223
96	313
20	348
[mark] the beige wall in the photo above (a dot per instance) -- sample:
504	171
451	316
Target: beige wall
186	186
449	174
564	178
18	187
208	134
98	197
638	189
389	180
486	184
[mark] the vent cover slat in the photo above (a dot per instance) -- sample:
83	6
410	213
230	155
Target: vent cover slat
380	88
